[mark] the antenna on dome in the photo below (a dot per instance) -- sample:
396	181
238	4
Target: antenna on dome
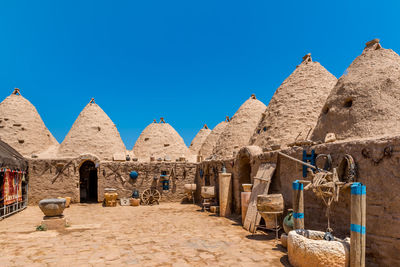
162	120
92	101
16	91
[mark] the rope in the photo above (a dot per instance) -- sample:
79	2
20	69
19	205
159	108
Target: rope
326	186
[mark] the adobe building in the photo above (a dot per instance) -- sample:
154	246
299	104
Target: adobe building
199	140
159	140
22	127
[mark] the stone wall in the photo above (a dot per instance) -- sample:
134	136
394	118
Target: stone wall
55	178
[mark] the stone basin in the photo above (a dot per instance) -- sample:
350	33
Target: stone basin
52	206
308	248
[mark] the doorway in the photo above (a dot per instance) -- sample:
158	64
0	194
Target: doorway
88	182
244	171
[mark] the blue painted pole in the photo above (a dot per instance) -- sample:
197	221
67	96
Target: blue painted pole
357	227
298	205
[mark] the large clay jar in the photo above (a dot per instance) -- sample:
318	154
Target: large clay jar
135	201
52	206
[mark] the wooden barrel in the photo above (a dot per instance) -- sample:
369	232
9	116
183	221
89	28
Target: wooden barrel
207	191
270	203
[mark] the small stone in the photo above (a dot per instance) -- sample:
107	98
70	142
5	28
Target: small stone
330	137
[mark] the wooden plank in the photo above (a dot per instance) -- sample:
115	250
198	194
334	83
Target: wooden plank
260	186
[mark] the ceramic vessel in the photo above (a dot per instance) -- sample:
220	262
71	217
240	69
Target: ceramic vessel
52	206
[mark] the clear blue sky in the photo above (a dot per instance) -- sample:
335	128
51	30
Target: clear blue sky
192	62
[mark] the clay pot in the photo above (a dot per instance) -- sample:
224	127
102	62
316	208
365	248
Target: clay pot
270	203
135	201
247	187
67	201
52	206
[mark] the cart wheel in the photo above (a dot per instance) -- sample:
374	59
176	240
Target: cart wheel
151	196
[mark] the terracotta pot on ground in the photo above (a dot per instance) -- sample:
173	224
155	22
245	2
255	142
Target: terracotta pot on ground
135	201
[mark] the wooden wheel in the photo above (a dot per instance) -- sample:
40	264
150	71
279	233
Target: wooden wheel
151	196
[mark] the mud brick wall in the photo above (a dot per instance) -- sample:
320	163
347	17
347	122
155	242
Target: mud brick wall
60	178
116	175
379	172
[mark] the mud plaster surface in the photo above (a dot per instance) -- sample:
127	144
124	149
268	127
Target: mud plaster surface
198	140
372	85
294	109
211	140
238	131
93	132
160	140
22	127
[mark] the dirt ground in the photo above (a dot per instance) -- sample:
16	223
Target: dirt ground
170	234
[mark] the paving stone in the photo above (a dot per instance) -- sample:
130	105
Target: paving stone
166	235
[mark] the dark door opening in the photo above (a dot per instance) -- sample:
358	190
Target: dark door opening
88	182
244	171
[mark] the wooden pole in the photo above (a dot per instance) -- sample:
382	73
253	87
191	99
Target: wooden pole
298	205
357	227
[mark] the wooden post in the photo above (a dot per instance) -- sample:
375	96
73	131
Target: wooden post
357	227
225	194
298	205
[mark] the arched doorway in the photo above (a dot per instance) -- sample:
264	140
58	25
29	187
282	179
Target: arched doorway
88	182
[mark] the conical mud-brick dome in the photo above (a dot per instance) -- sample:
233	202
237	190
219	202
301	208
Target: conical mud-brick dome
294	109
211	140
199	139
160	140
365	100
239	130
22	127
93	132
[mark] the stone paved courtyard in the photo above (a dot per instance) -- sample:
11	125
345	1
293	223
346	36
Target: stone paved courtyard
170	234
